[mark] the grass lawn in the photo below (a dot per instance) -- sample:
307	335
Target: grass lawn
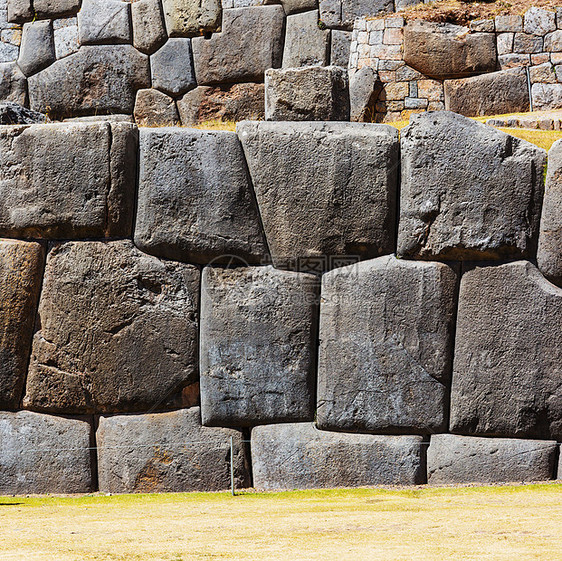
508	522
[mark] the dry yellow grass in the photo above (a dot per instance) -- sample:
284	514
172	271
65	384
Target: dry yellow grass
500	523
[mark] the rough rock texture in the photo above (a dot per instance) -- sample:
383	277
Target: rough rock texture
549	256
298	456
323	189
149	32
172	68
44	454
251	42
19	11
104	21
37	49
468	191
546	96
195	198
466	459
496	93
364	90
294	6
89	194
538	21
21	268
305	43
155	109
444	50
507	370
258	333
312	93
341	44
342	13
167	452
386	337
13	84
66	37
185	18
97	79
234	102
55	8
14	114
117	330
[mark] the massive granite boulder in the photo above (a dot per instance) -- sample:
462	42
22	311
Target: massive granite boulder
44	454
258	333
167	452
71	180
117	331
98	79
507	373
386	346
468	190
325	190
299	456
21	269
195	198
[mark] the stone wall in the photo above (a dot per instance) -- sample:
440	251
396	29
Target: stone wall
345	305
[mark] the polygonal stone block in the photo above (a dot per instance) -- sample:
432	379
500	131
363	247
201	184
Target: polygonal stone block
340	14
13	84
155	109
305	43
37	49
149	32
187	18
172	68
104	22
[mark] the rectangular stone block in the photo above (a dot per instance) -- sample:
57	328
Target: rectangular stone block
167	452
340	14
299	456
67	180
305	43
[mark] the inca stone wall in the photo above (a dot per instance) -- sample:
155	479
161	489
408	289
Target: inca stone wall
342	304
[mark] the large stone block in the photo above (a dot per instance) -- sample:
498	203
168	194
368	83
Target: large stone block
251	41
496	93
546	96
466	459
340	14
66	36
21	269
507	374
37	49
290	6
67	180
195	198
117	331
305	43
44	454
299	456
444	50
155	109
54	8
340	47
19	11
325	190
386	347
167	452
364	90
172	68
468	191
312	93
549	255
258	332
98	79
13	83
187	18
149	32
104	22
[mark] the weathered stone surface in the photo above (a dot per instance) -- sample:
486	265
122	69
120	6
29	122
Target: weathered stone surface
312	93
44	454
549	256
13	84
298	456
229	102
104	22
386	337
66	37
342	13
195	198
186	18
546	96
118	118
258	332
37	47
88	193
251	42
8	52
294	6
21	268
172	68
508	23
508	356
467	459
538	21
55	8
496	93
149	32
118	330
364	90
323	189
155	109
468	191
444	50
97	79
341	44
14	114
166	452
19	11
305	43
